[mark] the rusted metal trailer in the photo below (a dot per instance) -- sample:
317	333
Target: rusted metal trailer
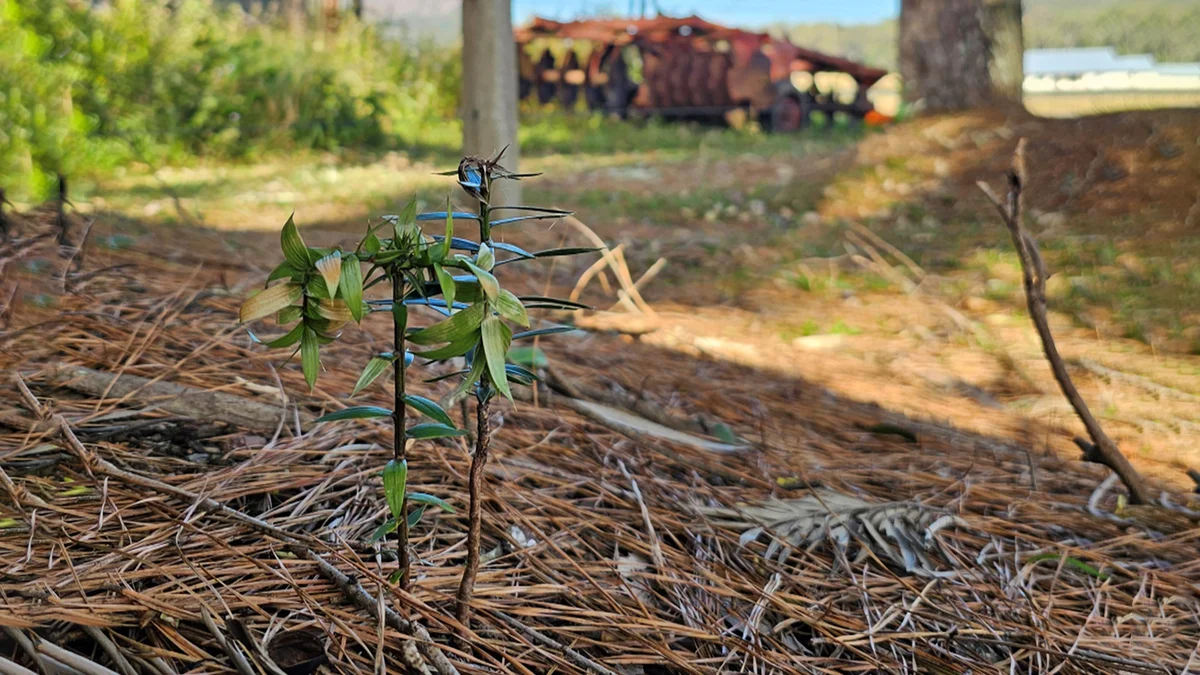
684	68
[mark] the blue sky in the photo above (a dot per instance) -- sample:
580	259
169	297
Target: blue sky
743	12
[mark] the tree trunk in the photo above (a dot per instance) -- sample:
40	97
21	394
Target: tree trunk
1002	21
949	55
489	97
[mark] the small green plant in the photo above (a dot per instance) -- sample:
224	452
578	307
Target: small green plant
321	290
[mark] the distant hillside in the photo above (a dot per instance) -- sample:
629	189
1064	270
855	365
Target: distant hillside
1164	28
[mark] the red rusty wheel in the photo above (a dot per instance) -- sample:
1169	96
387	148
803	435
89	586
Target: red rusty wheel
787	114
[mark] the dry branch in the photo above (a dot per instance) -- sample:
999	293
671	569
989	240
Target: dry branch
1033	269
181	399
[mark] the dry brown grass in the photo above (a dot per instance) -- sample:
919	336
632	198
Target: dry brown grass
632	577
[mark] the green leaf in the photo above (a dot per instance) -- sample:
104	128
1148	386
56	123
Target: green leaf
449	230
496	339
543	302
433	430
454	329
551	330
377	366
414	516
351	286
452	349
428	408
288	314
446	281
511	308
316	288
284	270
293	246
723	432
485	257
288	339
409	215
383	530
423	498
491	287
530	357
269	301
521	253
520	374
310	358
359	412
400	315
395	480
371	244
478	365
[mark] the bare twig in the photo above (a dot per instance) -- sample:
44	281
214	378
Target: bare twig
466	586
1034	275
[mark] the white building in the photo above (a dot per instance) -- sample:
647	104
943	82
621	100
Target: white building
1101	69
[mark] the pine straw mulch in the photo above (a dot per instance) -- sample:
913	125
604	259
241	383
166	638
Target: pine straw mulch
598	540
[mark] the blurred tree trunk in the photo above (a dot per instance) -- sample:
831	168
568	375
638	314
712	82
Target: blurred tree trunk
1002	21
958	54
489	97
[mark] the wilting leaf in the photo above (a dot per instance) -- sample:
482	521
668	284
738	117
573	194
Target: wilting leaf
485	257
428	408
269	301
432	430
336	311
330	268
511	308
530	357
454	329
446	282
377	366
496	339
351	286
360	412
395	480
293	246
491	287
310	358
383	530
423	498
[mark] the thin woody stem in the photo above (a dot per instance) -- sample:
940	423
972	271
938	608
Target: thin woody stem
399	421
466	586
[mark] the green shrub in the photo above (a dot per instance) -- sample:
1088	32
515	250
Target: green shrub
83	90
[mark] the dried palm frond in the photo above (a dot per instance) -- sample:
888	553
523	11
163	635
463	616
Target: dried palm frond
902	533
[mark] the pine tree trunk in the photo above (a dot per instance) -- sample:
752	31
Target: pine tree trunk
490	88
945	54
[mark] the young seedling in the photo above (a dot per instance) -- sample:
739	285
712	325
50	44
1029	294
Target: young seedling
484	333
324	290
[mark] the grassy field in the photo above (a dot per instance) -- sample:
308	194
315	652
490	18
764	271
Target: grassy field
1099	103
